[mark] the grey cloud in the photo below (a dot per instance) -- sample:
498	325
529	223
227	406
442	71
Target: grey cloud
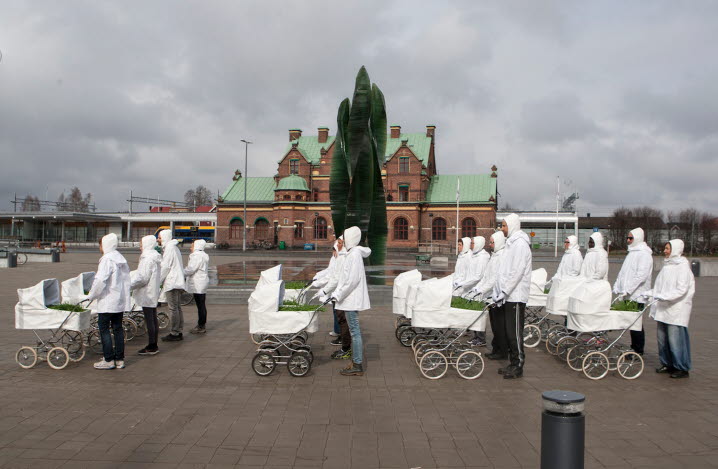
554	120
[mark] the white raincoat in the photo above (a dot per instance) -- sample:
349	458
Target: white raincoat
674	289
197	270
571	261
145	284
513	281
463	263
172	277
635	275
486	285
477	264
332	280
323	276
595	264
351	293
111	287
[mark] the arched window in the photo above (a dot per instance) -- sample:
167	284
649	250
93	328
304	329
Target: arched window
287	197
261	228
315	194
468	228
320	228
401	229
236	228
298	197
438	229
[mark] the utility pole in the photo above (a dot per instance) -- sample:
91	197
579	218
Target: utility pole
246	181
558	192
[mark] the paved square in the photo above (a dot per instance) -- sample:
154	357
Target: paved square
199	404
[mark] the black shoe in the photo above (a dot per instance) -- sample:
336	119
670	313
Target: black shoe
513	372
356	369
502	370
149	351
680	374
497	356
172	338
341	355
665	369
198	330
336	342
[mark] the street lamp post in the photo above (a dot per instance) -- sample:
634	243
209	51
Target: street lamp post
244	224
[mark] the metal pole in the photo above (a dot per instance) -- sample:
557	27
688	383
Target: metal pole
693	227
246	181
555	242
563	430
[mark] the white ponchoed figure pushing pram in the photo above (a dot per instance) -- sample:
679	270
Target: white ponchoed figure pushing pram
537	322
400	291
34	311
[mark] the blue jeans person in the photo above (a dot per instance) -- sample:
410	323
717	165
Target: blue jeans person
337	329
674	346
353	322
104	320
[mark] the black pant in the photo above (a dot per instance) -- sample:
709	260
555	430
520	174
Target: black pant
104	320
496	318
153	326
514	321
638	338
201	308
344	333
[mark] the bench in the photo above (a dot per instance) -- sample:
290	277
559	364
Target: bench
423	259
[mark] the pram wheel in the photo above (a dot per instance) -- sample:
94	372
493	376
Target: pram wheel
186	298
470	365
263	363
299	363
130	328
575	356
532	335
420	351
564	345
630	365
72	342
257	338
418	339
58	358
26	357
163	320
406	336
305	349
94	342
433	365
399	331
555	333
595	365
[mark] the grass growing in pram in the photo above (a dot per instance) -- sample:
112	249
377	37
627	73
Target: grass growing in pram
546	290
626	305
293	306
67	307
294	285
463	303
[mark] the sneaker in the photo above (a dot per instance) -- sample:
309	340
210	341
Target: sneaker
103	365
172	337
513	372
119	364
334	334
680	374
148	351
336	342
198	330
478	342
341	355
354	369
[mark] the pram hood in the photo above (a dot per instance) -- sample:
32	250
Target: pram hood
561	290
402	282
434	294
73	289
269	276
537	297
267	297
32	312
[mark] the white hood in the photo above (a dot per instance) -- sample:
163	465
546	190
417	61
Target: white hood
165	236
149	243
499	240
466	242
199	245
677	247
479	243
513	222
572	242
597	238
109	243
352	236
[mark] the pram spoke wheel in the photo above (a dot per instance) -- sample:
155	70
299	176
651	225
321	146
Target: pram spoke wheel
595	365
299	363
470	365
417	340
532	335
58	358
399	331
94	342
564	345
420	352
257	338
263	363
306	350
72	342
630	365
575	357
555	334
130	328
433	365
26	357
406	336
163	319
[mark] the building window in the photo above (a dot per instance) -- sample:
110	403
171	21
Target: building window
401	229
287	197
320	228
403	164
438	229
236	227
315	193
404	193
299	197
468	228
299	231
293	166
261	229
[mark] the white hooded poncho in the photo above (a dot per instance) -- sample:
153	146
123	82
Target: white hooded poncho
332	280
486	285
571	261
145	283
513	281
477	263
111	287
197	270
595	264
635	275
463	262
351	293
324	276
172	276
674	289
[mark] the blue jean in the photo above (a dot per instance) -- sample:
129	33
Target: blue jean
674	346
104	320
357	346
337	329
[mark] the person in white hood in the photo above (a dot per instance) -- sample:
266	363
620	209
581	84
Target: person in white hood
477	265
511	289
484	289
329	285
145	288
351	295
463	265
634	279
595	264
173	283
197	279
571	261
322	278
673	291
111	289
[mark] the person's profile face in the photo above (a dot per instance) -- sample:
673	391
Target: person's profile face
461	245
591	243
629	238
667	250
505	228
491	244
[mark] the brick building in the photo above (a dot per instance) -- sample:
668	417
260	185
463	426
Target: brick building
293	206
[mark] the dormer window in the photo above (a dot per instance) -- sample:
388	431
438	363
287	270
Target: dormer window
294	166
403	164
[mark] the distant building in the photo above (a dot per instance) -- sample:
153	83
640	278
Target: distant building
293	206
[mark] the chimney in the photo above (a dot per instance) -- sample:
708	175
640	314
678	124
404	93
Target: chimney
294	134
430	129
323	134
395	131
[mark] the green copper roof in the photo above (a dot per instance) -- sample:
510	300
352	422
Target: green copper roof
292	183
418	143
473	188
258	190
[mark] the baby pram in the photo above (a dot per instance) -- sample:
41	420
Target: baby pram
557	304
402	283
537	322
65	343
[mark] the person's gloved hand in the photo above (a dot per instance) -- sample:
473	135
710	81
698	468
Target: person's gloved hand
500	299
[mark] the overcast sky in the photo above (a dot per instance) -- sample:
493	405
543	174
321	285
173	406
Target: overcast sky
620	98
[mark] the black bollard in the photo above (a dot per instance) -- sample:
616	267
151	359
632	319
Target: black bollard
563	430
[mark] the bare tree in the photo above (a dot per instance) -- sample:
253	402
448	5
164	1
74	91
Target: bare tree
197	197
74	202
651	220
507	208
621	223
31	204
